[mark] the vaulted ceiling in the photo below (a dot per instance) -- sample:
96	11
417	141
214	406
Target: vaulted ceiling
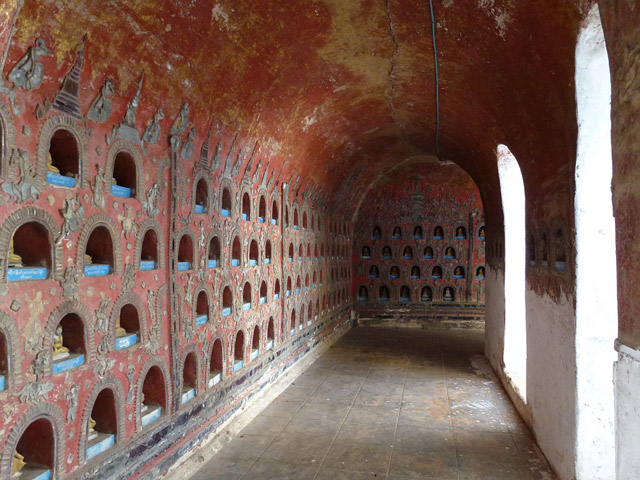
341	90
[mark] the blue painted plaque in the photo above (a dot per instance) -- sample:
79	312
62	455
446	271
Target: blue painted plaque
225	212
72	361
237	365
119	191
17	274
99	445
126	341
153	414
199	208
212	263
60	180
226	312
182	266
147	265
97	270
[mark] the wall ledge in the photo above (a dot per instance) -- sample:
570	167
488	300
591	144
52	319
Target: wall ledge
623	349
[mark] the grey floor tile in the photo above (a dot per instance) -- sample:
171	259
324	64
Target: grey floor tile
358	458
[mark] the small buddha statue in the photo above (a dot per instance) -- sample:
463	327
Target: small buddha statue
459	232
92	429
15	260
481	272
113	181
18	463
438	232
450	252
415	272
143	406
51	167
448	294
396	232
119	330
87	259
458	271
59	350
481	232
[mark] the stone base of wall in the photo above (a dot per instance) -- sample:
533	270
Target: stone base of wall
416	315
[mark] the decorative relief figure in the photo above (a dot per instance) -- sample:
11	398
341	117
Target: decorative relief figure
215	161
28	72
149	205
103	363
127	128
187	148
33	391
69	282
102	319
152	132
100	109
41	364
181	121
128	279
129	225
72	399
72	217
131	373
98	188
26	186
66	100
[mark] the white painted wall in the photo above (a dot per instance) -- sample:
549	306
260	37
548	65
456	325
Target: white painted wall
494	317
627	388
596	281
551	378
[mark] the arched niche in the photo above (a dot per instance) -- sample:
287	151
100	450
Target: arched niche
450	253
363	293
309	313
66	141
227	301
263	292
274	213
38	436
288	291
448	294
201	194
377	233
366	252
415	272
304	221
246	207
150	252
405	294
417	232
246	296
384	294
482	235
124	166
426	294
267	252
314	279
459	272
7	138
238	351
77	337
298	284
438	233
436	272
10	353
226	202
132	314
153	399
407	253
396	233
190	375
480	272
461	233
271	334
254	253
255	343
560	247
36	233
202	305
214	252
292	322
394	272
262	209
186	254
100	239
374	272
236	252
296	224
216	362
105	405
300	252
387	253
290	252
276	290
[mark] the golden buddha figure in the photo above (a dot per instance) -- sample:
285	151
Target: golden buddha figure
15	260
87	259
450	252
92	429
481	272
51	167
458	271
119	330
459	232
59	350
481	232
18	463
143	406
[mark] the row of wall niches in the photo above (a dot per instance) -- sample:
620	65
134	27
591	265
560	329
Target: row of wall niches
337	228
31	252
460	233
408	253
436	272
446	294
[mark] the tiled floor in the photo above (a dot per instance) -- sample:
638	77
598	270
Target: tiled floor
388	404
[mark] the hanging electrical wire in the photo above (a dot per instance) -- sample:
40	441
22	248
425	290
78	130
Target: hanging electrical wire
435	61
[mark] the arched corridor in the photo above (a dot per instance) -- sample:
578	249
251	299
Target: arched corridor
199	200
